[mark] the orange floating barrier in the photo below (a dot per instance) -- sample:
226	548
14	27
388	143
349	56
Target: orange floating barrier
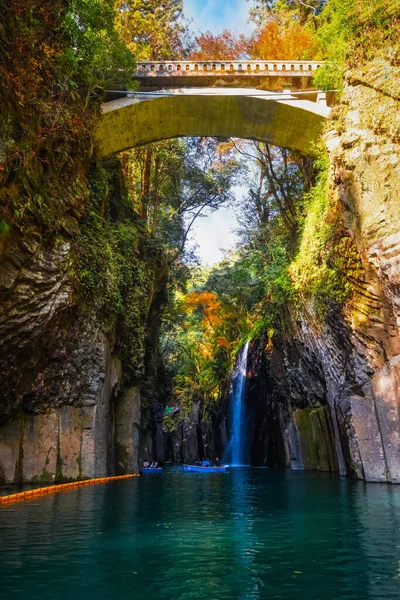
50	489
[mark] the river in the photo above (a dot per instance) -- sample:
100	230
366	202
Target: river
247	534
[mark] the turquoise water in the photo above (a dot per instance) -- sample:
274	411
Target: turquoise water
249	534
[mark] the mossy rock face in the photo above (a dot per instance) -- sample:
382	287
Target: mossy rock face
121	458
127	431
45	477
117	265
316	438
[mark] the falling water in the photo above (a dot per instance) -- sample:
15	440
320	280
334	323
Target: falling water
237	452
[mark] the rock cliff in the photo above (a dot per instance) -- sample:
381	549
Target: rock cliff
73	346
331	385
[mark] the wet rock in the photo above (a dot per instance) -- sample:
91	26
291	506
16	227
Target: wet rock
127	429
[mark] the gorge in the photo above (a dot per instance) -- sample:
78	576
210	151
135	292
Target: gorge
85	279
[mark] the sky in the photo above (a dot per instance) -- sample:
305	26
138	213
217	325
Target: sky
215	233
216	15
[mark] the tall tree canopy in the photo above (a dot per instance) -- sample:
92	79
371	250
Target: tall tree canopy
279	40
153	30
223	46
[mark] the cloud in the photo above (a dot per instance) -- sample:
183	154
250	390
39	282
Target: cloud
216	15
214	233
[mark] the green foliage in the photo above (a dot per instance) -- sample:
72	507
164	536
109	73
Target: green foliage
170	422
153	30
330	75
116	263
96	52
54	60
173	183
334	34
320	269
294	250
4	228
352	32
296	10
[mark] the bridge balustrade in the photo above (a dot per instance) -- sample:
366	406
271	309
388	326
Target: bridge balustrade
277	68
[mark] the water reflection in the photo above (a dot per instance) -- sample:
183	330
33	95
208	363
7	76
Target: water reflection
378	508
249	534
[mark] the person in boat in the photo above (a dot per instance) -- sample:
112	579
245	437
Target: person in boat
154	465
217	462
205	463
146	464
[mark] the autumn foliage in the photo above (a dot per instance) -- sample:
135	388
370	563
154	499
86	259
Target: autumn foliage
275	42
54	58
209	305
224	46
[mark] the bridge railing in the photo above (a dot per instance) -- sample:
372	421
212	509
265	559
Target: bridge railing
233	67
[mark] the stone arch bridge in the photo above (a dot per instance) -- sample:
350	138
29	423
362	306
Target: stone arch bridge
289	118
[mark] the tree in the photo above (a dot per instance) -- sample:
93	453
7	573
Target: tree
283	41
275	191
224	46
173	183
153	30
96	53
55	58
300	10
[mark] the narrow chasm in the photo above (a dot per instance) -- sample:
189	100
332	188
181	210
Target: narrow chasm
200	299
314	288
124	337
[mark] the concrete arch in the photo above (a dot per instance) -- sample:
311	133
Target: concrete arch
278	119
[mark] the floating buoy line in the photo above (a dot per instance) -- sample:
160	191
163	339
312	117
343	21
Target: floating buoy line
51	489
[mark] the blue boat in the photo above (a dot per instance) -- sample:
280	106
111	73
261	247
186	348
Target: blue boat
200	469
151	470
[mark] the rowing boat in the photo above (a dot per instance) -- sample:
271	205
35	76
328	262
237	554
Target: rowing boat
200	469
151	470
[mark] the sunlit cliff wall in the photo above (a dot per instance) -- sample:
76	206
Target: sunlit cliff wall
332	383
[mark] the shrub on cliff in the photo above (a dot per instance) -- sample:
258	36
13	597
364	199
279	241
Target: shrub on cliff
54	59
352	32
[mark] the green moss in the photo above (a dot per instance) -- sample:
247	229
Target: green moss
306	438
115	264
58	474
316	438
170	422
4	228
327	260
45	476
79	463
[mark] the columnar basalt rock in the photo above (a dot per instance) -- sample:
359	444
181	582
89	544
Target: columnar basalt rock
127	426
61	375
347	364
196	437
333	398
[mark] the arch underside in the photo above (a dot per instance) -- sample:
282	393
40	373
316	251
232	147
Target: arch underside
130	122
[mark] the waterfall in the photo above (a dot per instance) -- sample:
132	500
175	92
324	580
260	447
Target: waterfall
238	451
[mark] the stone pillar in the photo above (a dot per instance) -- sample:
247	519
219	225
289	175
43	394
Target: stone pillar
127	432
